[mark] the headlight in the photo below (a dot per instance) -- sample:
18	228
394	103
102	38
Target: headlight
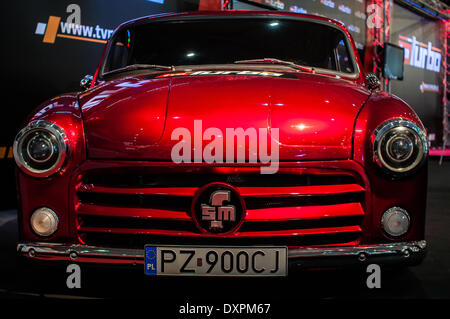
44	222
395	221
40	149
399	146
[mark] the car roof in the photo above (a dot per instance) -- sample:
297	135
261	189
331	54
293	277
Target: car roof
232	13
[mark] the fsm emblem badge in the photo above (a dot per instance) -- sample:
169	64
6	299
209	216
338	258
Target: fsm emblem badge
218	209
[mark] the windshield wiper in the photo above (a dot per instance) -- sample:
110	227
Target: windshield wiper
133	67
275	61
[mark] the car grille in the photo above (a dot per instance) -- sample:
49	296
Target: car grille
131	207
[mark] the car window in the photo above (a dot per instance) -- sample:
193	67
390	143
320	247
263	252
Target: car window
120	50
344	62
223	41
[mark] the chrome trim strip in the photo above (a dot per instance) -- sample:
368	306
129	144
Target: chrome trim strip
80	250
369	250
74	251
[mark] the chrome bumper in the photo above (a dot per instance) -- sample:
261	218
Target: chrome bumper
302	257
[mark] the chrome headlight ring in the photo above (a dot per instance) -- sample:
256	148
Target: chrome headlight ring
399	146
53	143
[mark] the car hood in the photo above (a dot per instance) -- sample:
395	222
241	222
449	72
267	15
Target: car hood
136	118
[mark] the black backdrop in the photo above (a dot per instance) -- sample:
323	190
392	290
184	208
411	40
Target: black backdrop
351	13
422	87
34	71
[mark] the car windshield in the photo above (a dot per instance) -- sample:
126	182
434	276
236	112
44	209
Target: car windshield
228	40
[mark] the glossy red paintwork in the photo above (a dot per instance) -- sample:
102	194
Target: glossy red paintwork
306	212
326	128
53	191
243	191
86	209
237	234
311	125
410	192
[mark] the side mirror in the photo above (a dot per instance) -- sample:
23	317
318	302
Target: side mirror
86	82
373	82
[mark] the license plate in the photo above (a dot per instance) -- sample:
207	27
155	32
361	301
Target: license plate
215	261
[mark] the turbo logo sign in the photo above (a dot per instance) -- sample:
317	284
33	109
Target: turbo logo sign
420	55
71	28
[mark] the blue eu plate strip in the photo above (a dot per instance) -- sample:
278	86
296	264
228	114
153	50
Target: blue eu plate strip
150	260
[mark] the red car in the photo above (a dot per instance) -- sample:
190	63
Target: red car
224	144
